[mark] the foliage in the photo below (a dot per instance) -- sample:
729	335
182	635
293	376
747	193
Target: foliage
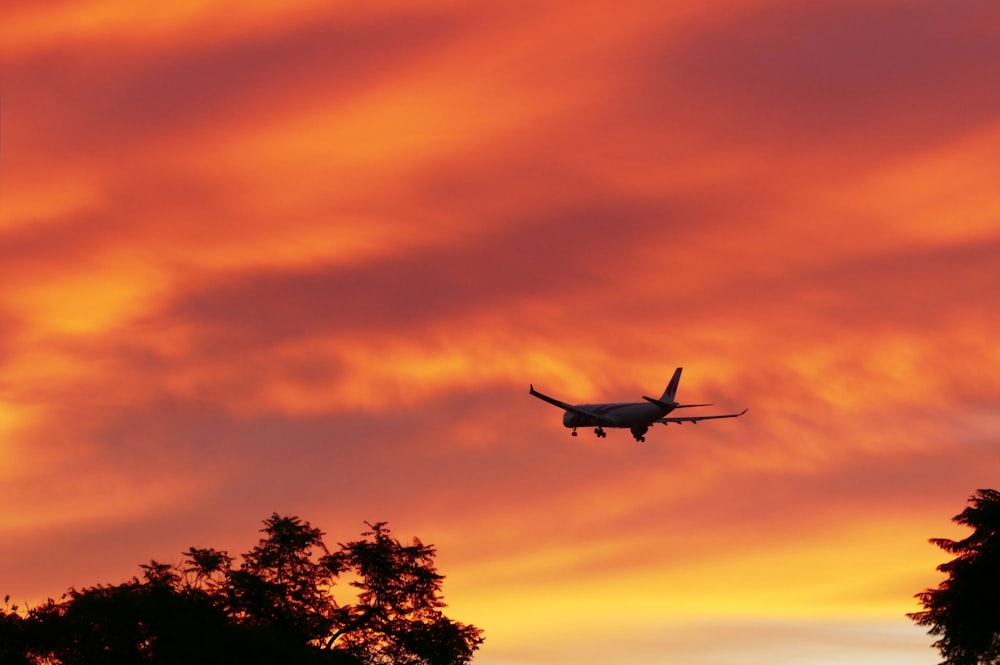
13	648
397	618
281	583
276	606
964	611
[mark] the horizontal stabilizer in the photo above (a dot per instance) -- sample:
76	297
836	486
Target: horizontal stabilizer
670	406
666	406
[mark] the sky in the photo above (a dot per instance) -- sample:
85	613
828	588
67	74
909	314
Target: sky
306	257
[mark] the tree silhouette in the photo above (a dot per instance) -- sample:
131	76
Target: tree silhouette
147	621
282	584
397	618
276	607
964	611
13	647
207	570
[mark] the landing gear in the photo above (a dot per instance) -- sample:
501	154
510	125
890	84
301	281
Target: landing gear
640	433
599	431
574	432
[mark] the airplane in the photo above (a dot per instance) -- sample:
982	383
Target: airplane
636	416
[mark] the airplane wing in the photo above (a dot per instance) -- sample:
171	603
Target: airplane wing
696	419
596	417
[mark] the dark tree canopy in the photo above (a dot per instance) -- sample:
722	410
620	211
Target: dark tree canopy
397	618
283	584
277	606
964	611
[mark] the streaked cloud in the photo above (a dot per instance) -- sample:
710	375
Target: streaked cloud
309	258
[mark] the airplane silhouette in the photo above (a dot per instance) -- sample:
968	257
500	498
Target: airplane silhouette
635	416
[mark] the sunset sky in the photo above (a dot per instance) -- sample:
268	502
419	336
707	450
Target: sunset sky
306	257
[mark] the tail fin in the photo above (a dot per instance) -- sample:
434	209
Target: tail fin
670	394
668	400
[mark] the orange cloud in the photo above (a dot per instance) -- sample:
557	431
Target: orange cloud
309	258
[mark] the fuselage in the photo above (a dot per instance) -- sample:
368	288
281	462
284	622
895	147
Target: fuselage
619	414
